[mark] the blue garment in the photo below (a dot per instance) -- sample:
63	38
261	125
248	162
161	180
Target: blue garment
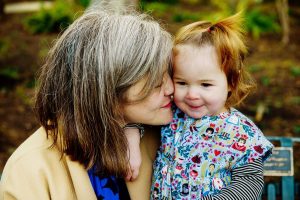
105	188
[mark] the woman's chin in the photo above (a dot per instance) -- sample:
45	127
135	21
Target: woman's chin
163	119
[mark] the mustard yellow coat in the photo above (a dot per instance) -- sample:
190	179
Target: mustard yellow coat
36	171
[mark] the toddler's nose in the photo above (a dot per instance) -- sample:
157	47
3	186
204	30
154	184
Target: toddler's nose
192	94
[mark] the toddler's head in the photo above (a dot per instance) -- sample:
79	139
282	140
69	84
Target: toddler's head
209	74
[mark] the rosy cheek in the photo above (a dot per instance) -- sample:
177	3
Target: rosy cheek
176	101
179	94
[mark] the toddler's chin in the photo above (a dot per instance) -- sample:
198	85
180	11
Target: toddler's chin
196	115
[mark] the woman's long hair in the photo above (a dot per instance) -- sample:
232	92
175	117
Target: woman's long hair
83	83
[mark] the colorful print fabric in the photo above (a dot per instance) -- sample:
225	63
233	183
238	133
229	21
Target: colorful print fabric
197	155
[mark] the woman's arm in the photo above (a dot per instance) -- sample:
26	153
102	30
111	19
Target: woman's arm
134	153
140	188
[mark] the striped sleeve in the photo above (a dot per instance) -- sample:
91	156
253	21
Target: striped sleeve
247	183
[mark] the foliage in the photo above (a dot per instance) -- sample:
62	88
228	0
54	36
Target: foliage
10	73
30	83
193	2
257	21
3	47
54	19
296	129
265	80
84	3
255	68
230	7
295	100
159	1
22	93
185	16
159	8
295	71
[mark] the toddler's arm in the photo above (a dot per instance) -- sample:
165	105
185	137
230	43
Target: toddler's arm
134	153
247	183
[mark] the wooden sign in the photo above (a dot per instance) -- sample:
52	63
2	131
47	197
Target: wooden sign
281	162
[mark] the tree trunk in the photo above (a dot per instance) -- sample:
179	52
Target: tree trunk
282	7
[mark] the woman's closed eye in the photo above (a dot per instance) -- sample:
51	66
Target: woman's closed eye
180	83
159	85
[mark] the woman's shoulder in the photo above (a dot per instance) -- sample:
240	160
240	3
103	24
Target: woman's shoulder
37	170
32	153
35	144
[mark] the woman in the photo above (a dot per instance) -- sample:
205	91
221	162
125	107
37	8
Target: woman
105	71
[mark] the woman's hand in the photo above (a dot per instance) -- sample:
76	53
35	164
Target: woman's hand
133	152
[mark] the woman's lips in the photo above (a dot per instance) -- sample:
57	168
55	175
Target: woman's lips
168	105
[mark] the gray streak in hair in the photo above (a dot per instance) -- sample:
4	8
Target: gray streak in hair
85	78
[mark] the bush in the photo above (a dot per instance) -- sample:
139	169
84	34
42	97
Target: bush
159	1
55	19
84	3
9	72
156	7
185	16
258	23
295	71
3	47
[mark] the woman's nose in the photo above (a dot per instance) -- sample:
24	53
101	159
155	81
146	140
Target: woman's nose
169	87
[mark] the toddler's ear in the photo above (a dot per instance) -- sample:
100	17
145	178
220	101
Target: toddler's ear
229	93
229	88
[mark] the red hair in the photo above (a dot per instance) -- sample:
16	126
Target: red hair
227	36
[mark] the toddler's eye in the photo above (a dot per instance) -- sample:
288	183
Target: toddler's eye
180	83
206	84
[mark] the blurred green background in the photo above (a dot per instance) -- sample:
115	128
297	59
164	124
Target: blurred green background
273	28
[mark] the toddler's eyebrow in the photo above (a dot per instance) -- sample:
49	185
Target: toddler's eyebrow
206	80
177	77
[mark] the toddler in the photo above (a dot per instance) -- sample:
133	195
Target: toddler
210	150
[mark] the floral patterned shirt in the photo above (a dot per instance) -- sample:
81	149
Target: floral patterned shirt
196	156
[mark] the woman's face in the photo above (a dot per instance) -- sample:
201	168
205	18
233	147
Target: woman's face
154	109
